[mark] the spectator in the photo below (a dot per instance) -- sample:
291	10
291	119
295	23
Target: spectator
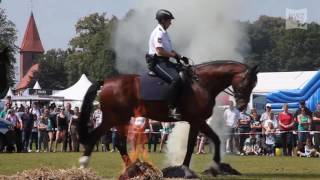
4	112
265	116
201	139
62	127
251	146
97	120
270	138
243	127
52	126
166	130
27	120
18	126
308	112
115	138
286	124
316	127
35	110
256	125
43	134
308	150
67	140
8	102
73	129
231	117
34	133
304	124
271	119
139	135
106	140
154	134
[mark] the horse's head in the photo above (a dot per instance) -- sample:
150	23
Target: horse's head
243	84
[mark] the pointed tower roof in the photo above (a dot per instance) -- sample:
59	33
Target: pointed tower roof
31	40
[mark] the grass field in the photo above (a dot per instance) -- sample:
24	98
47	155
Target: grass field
108	165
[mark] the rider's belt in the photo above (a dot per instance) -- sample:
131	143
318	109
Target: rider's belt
159	58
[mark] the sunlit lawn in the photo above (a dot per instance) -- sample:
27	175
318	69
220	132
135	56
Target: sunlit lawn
108	165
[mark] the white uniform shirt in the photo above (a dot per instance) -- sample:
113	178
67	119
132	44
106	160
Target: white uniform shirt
159	38
231	117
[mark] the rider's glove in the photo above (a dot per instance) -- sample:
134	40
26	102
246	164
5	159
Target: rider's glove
185	59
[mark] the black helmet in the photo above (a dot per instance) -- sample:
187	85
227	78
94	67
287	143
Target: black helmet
163	14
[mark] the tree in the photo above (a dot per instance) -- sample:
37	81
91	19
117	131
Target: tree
91	51
52	73
8	36
274	48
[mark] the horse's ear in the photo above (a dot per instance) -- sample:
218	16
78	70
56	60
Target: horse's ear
254	69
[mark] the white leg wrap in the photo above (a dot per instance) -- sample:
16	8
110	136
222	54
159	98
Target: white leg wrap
84	161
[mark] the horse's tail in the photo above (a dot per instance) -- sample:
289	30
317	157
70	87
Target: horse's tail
86	111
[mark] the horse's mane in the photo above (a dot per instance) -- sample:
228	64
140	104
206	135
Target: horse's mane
219	62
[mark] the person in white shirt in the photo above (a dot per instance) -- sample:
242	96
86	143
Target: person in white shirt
231	117
160	51
97	120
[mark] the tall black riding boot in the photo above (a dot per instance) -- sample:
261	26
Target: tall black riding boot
174	111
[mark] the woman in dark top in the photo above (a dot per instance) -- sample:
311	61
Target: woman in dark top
73	129
61	128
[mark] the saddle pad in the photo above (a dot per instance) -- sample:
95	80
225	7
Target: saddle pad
153	88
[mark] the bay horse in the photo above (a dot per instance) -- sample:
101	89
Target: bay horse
4	71
120	100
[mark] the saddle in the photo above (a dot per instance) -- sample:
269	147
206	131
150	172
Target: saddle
153	88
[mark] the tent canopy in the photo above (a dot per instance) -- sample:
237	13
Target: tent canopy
37	85
77	91
274	81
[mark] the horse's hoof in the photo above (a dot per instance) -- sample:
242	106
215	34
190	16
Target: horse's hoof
223	169
179	172
84	161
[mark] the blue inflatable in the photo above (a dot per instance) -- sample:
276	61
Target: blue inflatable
310	93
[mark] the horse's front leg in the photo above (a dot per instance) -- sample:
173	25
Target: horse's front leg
193	132
218	167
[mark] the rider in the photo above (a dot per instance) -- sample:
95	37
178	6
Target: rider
161	50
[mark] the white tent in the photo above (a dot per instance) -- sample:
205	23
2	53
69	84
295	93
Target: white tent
9	93
274	81
77	91
37	86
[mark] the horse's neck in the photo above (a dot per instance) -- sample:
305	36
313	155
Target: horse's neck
216	81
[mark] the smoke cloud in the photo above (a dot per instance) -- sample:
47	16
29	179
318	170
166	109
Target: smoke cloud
202	30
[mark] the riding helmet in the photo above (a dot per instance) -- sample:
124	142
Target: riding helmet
163	14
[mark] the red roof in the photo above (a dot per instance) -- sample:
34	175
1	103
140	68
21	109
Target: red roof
24	82
31	40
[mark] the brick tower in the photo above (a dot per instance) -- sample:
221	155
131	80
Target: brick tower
31	47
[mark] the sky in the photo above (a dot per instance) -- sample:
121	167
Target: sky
56	18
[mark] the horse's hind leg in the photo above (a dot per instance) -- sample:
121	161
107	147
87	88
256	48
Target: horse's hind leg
121	145
88	147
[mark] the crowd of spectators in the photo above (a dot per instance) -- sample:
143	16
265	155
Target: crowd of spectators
253	134
52	129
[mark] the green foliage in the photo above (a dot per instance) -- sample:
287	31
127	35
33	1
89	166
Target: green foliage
52	73
276	49
8	36
91	52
